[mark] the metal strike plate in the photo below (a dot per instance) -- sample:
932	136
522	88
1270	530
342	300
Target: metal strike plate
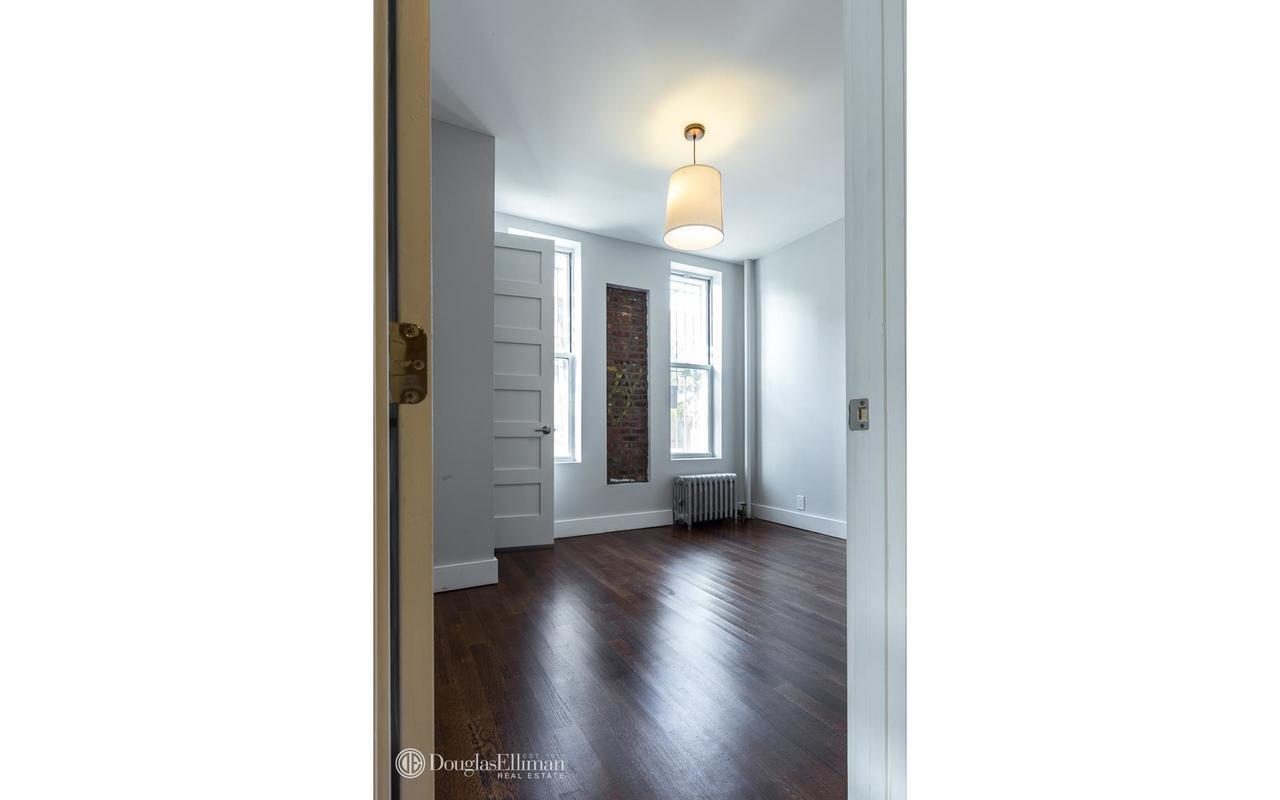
408	362
859	414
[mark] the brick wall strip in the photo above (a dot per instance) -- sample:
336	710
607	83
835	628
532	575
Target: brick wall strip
627	385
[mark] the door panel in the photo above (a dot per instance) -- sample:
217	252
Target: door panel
517	405
517	358
517	452
523	400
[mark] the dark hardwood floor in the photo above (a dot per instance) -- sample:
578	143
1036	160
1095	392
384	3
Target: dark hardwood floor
657	663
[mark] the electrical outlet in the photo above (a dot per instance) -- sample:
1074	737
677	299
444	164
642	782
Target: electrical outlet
800	502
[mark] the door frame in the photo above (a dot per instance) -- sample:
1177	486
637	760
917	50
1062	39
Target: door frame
404	681
876	358
875	231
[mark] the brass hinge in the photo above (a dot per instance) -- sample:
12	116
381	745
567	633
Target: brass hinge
408	361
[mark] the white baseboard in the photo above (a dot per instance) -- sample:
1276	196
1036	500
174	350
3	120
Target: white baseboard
582	526
799	519
466	574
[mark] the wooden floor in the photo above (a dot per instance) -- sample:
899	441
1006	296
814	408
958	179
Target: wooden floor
655	663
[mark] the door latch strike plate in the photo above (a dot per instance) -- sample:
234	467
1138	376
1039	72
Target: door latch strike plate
859	414
408	363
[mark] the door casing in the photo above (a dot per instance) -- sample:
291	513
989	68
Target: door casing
404	688
875	369
876	360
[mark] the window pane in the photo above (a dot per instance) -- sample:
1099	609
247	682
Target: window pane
690	410
564	401
689	301
564	304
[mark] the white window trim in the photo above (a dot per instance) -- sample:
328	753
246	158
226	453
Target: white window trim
574	249
575	323
714	280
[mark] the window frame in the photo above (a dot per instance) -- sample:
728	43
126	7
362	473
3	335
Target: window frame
712	280
573	355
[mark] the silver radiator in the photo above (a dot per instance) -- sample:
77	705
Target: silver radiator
697	498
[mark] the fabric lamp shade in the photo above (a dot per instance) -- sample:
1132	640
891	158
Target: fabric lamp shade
695	210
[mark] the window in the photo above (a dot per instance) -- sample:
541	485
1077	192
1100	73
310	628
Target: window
567	343
692	365
566	368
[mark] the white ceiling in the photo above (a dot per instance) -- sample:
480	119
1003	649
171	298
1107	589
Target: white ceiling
587	101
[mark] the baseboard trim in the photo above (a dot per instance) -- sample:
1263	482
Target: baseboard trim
466	574
798	519
519	547
584	526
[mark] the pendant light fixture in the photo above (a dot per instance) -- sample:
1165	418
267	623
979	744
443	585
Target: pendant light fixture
695	206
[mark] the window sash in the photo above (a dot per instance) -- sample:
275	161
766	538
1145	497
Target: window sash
571	408
704	284
568	299
710	409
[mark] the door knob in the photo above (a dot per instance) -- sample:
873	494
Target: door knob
544	429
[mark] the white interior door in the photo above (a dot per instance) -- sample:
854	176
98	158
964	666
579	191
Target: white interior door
523	401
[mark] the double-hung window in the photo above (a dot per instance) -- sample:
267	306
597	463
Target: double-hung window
693	376
566	367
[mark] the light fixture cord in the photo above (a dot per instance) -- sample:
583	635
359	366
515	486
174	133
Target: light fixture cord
695	149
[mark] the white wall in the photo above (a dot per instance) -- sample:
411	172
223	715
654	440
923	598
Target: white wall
462	355
584	503
801	410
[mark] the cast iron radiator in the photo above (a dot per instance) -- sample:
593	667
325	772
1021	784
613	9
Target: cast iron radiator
697	498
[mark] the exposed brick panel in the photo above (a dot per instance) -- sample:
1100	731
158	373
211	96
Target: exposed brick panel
626	316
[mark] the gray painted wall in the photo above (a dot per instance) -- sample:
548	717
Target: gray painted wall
462	347
583	502
801	418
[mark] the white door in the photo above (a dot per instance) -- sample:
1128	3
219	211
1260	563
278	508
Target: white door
523	402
